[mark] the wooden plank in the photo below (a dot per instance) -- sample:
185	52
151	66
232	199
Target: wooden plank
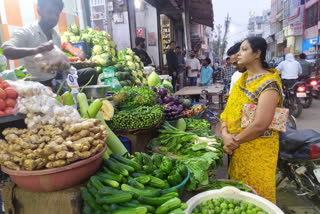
196	90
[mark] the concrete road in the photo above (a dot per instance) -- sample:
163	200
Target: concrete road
309	118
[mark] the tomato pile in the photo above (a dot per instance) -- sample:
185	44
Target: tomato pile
8	98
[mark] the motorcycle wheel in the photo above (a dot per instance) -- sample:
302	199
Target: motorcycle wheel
295	106
292	122
307	102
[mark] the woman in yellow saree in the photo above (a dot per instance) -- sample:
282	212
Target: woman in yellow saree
254	149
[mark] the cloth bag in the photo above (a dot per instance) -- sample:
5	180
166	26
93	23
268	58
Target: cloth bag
278	122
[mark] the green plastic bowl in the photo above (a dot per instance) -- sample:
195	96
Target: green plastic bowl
180	187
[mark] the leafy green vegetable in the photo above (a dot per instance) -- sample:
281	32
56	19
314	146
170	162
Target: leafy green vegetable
134	96
191	150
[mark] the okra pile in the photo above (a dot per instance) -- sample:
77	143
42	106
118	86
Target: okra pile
141	184
140	117
222	205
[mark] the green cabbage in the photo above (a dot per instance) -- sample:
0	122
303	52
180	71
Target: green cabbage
153	79
97	49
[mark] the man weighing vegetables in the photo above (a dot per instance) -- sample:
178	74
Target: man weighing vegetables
37	38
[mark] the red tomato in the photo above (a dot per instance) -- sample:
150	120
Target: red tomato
11	93
0	79
11	102
2	113
2	104
5	84
3	94
8	110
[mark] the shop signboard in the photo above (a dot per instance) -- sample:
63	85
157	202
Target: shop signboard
310	44
152	39
141	32
279	37
296	28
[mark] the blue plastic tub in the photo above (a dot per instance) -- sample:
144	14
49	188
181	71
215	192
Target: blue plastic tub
126	142
85	47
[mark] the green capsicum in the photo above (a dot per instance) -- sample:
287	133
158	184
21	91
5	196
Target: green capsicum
174	179
68	97
166	165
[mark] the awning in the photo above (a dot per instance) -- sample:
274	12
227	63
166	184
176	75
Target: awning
201	12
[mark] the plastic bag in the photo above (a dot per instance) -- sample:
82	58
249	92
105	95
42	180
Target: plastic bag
53	60
108	72
8	75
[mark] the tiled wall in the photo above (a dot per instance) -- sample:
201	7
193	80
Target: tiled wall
18	13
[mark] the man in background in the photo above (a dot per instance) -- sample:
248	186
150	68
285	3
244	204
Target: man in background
226	74
193	66
181	64
172	61
290	69
306	66
139	50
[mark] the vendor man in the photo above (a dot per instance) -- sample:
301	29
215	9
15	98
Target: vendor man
139	50
34	39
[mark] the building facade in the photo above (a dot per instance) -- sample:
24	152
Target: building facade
310	26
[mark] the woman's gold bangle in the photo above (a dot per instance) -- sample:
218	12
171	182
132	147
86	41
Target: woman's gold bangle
223	128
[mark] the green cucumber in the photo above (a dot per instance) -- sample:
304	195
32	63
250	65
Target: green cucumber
175	194
184	206
109	182
135	183
104	175
115	167
109	191
94	108
132	205
139	192
89	199
127	167
92	189
137	174
143	179
155	201
106	208
137	210
96	182
116	198
117	207
156	182
177	211
115	176
165	191
126	161
86	209
168	206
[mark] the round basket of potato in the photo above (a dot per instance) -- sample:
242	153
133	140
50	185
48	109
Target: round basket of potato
48	158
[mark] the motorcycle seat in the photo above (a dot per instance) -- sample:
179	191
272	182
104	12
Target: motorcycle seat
293	140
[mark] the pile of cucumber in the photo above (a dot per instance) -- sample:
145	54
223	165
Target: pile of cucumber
138	185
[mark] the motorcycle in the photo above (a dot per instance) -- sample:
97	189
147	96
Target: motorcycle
304	93
292	98
299	160
313	84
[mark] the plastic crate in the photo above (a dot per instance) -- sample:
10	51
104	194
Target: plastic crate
85	47
126	142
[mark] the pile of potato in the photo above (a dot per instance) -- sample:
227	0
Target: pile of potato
47	146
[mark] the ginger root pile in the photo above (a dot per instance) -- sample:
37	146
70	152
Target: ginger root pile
47	146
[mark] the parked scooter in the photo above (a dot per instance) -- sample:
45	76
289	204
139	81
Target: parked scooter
292	98
299	160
